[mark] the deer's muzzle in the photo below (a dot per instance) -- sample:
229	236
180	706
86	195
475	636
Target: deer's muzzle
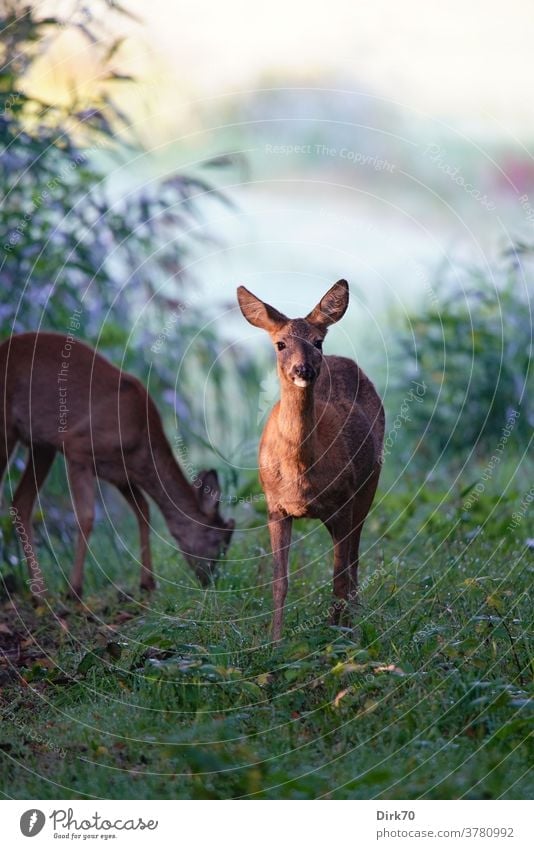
303	375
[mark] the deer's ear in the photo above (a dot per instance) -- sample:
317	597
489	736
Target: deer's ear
259	314
331	307
208	492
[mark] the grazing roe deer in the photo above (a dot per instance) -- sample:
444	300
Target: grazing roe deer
320	453
70	399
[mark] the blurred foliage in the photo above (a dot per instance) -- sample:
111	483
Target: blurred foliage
471	353
71	241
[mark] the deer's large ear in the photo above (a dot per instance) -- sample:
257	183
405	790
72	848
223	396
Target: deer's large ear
331	307
259	314
208	492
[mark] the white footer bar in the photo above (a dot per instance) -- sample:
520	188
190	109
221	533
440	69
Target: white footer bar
269	824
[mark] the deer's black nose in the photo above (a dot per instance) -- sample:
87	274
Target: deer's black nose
304	371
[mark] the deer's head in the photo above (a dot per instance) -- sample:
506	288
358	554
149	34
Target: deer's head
298	341
210	543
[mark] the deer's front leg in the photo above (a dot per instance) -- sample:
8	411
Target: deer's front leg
280	531
139	505
340	528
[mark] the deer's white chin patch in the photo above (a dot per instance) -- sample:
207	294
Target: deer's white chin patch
303	384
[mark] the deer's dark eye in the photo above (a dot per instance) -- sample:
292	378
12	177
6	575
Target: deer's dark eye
319	344
280	345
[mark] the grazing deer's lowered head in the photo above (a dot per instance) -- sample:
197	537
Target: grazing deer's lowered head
211	539
320	451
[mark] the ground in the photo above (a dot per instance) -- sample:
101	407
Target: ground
183	696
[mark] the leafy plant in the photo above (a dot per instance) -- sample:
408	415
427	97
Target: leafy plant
73	239
472	352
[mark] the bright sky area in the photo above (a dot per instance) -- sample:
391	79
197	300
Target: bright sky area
468	63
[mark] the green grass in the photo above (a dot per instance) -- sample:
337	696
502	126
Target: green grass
183	696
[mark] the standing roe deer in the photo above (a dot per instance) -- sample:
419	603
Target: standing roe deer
320	452
70	399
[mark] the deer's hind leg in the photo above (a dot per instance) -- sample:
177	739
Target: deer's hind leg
360	510
7	445
40	459
340	529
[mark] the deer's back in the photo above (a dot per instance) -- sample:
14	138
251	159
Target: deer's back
70	397
345	385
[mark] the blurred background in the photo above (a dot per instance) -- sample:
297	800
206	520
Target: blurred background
153	158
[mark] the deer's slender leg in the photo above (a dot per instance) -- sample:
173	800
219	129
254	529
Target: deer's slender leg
362	505
280	532
82	486
354	561
7	444
340	528
139	505
40	459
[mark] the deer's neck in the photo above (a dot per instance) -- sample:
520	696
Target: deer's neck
165	482
297	423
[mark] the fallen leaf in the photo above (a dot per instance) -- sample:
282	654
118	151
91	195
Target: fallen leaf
342	668
495	602
368	707
340	695
46	663
396	670
124	616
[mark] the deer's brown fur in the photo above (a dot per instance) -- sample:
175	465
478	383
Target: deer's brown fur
320	452
111	430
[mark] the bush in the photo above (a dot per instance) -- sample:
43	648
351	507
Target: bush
72	242
471	350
